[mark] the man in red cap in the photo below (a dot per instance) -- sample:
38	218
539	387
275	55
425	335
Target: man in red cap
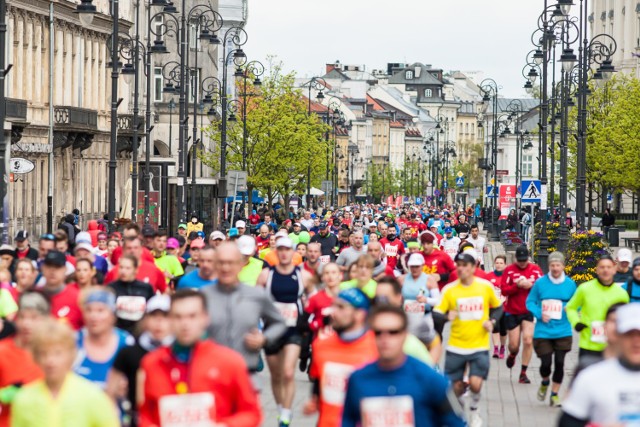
436	262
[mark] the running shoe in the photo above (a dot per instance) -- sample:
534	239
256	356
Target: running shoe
283	423
496	354
542	392
511	360
524	379
501	352
475	420
554	401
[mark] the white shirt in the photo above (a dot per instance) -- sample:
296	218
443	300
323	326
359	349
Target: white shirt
450	246
606	393
307	223
479	245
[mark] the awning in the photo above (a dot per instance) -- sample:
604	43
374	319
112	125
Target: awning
315	192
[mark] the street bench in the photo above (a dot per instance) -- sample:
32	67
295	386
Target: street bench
630	241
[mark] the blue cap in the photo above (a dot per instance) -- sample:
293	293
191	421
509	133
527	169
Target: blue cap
233	232
201	234
356	298
448	230
323	225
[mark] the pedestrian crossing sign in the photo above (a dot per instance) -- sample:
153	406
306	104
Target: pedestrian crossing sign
460	181
531	191
491	192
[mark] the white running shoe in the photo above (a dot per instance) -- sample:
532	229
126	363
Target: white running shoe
474	419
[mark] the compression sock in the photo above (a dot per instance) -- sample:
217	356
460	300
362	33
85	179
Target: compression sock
546	383
285	415
523	370
475	400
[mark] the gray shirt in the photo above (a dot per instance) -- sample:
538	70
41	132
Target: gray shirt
234	312
350	256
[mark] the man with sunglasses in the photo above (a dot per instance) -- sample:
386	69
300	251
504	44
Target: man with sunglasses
397	386
473	307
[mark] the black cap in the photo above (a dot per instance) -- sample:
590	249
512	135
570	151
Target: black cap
55	259
22	235
148	231
522	254
465	257
193	235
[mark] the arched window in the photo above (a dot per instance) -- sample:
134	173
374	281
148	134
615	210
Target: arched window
408	75
428	93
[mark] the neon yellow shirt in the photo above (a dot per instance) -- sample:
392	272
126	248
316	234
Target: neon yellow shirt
8	305
170	264
472	304
79	404
369	289
251	271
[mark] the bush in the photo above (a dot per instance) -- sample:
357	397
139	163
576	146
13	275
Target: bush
629	225
583	252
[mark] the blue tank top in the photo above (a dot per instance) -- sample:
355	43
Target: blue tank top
412	287
286	291
96	372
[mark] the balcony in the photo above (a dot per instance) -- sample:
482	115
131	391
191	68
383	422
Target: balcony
16	114
74	127
126	128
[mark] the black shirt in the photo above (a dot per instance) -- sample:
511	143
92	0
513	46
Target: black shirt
130	306
327	243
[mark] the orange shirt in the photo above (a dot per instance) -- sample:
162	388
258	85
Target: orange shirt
16	366
333	362
272	258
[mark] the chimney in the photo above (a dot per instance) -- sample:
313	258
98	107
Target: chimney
333	66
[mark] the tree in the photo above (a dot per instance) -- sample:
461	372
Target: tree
284	141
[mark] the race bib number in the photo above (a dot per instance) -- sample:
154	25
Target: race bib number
391	251
324	259
413	307
597	332
451	251
334	382
130	307
186	410
392	411
289	311
552	308
471	308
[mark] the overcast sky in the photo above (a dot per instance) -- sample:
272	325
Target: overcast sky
491	36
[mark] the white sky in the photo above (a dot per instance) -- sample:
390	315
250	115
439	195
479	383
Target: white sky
492	36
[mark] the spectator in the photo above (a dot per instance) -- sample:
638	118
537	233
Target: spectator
23	249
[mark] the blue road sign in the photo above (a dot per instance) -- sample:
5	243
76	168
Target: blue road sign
491	192
436	192
418	200
446	184
460	181
609	197
531	191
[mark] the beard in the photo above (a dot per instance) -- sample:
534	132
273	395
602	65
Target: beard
341	328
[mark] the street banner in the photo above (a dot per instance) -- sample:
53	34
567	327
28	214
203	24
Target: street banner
398	201
507	199
390	200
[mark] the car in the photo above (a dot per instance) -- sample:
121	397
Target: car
595	221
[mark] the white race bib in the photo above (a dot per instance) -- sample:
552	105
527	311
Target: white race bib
186	410
334	382
391	251
324	259
391	411
130	307
552	308
597	332
289	311
471	308
412	306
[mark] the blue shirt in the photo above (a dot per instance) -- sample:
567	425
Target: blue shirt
548	295
634	294
414	380
194	281
101	265
96	372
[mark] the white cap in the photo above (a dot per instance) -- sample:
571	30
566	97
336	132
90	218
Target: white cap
472	252
217	235
628	318
415	260
247	245
83	237
284	242
159	302
624	255
281	233
83	245
241	224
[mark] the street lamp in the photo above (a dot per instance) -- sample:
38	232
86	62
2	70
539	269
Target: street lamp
318	84
490	91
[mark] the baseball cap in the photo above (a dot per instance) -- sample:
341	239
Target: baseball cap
284	242
7	250
624	255
247	245
471	251
83	237
102	236
448	230
197	243
172	243
297	224
148	231
159	303
22	235
556	257
241	224
217	235
193	235
522	253
628	318
415	260
102	296
55	259
234	232
201	234
83	245
323	225
465	257
184	226
356	298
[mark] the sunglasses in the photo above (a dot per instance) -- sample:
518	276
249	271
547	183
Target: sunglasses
50	237
392	332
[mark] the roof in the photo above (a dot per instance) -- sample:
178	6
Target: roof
340	131
425	77
375	104
396	124
399	114
316	107
413	132
396	99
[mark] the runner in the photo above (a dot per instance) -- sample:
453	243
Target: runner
205	275
623	261
286	284
391	391
328	243
450	244
632	285
588	307
63	298
312	263
147	271
478	242
608	393
351	254
252	266
552	337
338	354
194	375
474	309
392	247
500	331
436	262
319	305
364	277
168	264
517	280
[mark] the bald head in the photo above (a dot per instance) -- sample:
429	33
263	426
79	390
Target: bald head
375	250
228	263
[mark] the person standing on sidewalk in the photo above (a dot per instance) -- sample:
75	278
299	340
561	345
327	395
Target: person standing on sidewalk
552	337
517	280
608	220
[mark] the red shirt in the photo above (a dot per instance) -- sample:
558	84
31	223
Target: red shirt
23	253
394	250
319	305
479	273
495	281
438	262
147	273
254	219
117	253
64	306
517	297
415	228
262	243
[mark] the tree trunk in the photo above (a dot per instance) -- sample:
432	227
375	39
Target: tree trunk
638	213
590	203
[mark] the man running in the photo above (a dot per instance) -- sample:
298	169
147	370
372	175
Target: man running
392	247
478	242
328	243
500	331
517	280
351	254
472	306
286	284
552	337
436	262
450	243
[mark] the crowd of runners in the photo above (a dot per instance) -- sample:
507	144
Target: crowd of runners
140	327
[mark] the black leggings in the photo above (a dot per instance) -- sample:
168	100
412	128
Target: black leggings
545	367
501	326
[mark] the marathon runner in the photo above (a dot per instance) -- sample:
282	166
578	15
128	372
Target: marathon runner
328	243
392	247
436	262
450	244
632	285
500	331
478	242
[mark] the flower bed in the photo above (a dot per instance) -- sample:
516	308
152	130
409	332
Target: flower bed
584	249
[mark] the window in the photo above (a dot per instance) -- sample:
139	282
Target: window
527	165
473	129
194	40
466	128
158	27
428	93
157	84
408	75
194	84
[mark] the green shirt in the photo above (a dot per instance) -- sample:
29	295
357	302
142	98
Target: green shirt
415	348
251	271
80	403
169	264
8	305
589	305
369	289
